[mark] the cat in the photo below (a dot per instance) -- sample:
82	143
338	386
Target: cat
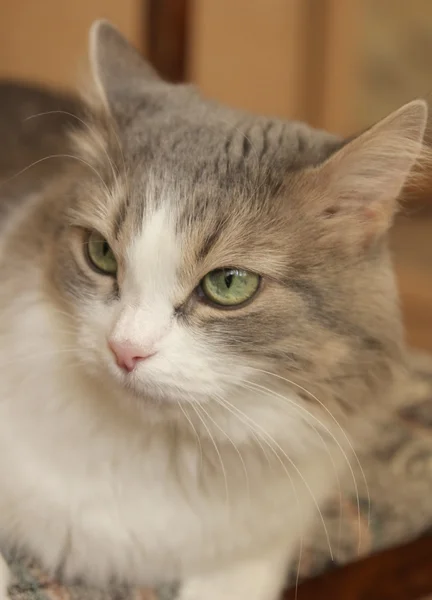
198	313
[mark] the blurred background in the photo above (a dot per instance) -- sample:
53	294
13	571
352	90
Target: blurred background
338	64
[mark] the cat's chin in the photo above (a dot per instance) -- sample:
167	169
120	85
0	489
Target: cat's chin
160	396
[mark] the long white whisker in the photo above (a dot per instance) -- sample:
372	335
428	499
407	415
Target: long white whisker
187	417
244	418
307	486
195	408
230	408
79	159
252	386
239	454
345	436
89	128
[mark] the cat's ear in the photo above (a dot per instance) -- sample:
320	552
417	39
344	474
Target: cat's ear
363	179
118	68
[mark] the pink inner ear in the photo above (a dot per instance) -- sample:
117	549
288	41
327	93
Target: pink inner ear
364	178
370	213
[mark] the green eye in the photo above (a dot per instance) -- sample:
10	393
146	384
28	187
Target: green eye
229	287
100	255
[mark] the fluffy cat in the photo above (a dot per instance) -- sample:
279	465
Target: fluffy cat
197	313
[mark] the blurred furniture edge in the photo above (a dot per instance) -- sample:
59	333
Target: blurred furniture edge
402	573
167	37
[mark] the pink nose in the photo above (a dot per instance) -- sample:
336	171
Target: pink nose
127	355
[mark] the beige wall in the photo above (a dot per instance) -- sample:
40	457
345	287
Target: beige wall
248	53
338	64
288	58
46	40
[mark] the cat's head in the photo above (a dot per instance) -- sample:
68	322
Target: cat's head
209	252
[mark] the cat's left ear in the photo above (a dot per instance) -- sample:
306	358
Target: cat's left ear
362	181
120	72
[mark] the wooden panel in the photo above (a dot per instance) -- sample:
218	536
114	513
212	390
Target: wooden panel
45	40
398	574
167	39
248	53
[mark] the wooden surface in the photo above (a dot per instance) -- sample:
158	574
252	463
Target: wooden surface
403	573
412	244
167	37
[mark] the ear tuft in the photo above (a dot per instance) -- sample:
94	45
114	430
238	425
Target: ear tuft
364	178
117	67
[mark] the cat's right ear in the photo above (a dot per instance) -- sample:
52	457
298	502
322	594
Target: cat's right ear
119	71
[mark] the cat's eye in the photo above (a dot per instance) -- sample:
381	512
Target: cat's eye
229	287
100	255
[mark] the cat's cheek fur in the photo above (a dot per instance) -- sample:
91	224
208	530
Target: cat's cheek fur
90	329
186	366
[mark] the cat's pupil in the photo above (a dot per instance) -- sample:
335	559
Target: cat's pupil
228	279
105	248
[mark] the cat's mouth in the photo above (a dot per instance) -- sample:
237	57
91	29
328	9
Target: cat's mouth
163	381
148	389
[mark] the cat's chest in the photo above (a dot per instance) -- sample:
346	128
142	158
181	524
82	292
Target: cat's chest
77	487
118	503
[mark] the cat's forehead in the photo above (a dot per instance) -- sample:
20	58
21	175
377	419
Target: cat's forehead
199	140
214	170
203	161
172	238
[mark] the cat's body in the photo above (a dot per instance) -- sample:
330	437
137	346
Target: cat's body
147	507
200	461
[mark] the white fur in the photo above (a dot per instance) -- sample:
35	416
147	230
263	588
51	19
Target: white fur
87	484
147	312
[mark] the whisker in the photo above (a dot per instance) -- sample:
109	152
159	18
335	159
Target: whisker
187	417
272	393
36	162
266	435
305	483
345	436
233	445
195	408
229	407
89	128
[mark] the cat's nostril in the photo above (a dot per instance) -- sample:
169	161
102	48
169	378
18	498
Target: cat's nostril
128	355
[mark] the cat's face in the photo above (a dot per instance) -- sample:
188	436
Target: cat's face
213	248
185	294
